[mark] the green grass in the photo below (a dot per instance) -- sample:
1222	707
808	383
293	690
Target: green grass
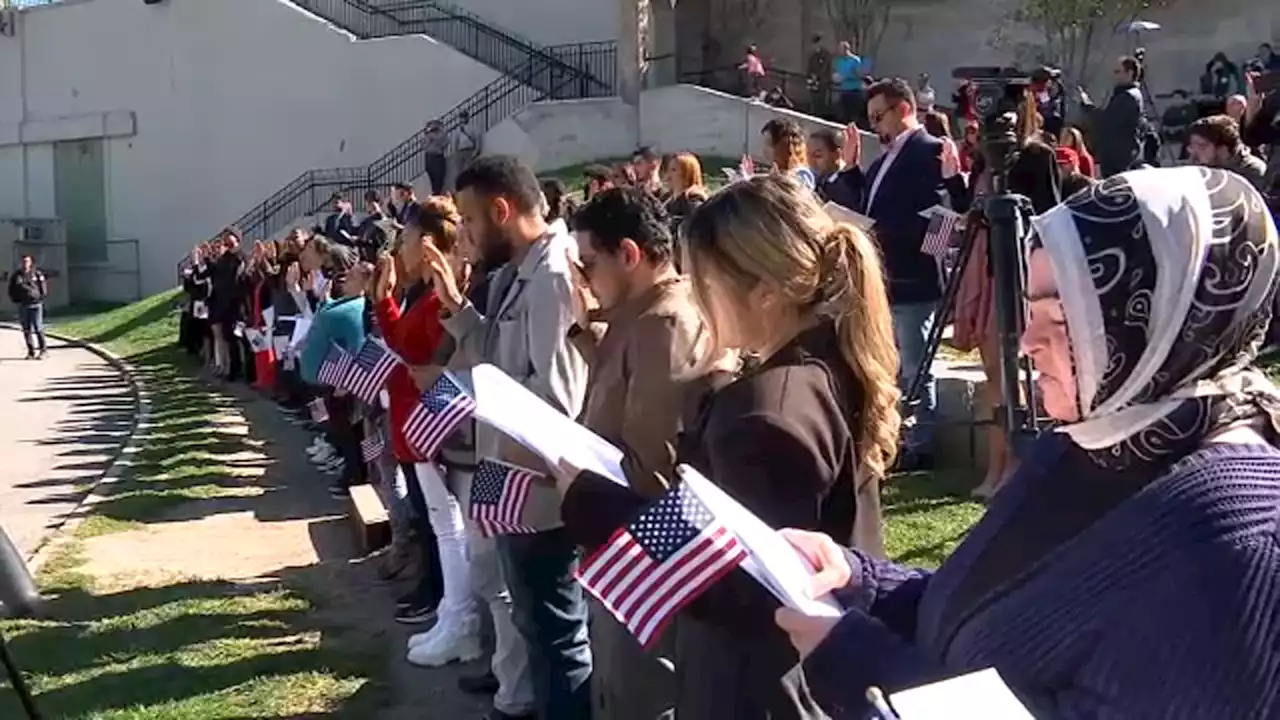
572	177
927	515
194	650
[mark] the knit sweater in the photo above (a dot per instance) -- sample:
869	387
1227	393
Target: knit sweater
1164	608
414	337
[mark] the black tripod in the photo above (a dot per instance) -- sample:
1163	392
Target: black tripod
1004	214
18	598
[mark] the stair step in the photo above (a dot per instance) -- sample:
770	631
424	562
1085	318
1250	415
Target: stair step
369	519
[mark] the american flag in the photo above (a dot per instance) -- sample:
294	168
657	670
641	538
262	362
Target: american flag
372	447
369	371
499	494
335	366
660	562
938	237
319	412
442	408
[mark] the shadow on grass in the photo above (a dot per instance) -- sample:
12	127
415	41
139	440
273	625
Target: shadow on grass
922	491
194	650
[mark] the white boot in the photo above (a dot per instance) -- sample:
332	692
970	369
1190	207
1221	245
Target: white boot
458	607
458	639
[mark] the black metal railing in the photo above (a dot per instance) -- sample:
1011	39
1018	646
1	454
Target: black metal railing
468	33
542	78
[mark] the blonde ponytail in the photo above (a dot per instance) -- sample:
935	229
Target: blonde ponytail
855	293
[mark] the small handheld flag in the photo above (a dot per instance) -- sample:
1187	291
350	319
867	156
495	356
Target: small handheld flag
372	447
334	367
660	562
442	408
499	494
369	371
940	234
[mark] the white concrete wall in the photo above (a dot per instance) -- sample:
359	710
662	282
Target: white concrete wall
231	99
707	122
553	135
550	22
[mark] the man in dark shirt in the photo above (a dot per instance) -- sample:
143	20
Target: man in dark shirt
27	289
1118	128
819	77
340	227
406	202
826	160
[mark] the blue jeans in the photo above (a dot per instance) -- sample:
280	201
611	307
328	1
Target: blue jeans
31	317
551	613
911	327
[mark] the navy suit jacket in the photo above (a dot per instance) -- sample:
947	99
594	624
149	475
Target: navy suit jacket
913	183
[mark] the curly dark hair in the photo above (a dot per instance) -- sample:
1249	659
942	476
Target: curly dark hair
627	213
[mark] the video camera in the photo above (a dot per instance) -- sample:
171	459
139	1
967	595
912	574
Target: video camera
998	92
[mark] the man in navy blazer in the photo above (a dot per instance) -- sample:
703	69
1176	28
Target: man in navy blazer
913	173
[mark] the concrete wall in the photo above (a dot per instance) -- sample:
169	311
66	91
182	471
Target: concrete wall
707	122
550	22
206	107
558	134
935	36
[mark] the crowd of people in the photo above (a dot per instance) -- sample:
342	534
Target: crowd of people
749	334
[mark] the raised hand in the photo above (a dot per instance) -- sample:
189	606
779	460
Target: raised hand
950	158
747	167
385	283
584	301
852	152
439	271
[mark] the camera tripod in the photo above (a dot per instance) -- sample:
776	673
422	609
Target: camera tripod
18	599
17	682
1005	215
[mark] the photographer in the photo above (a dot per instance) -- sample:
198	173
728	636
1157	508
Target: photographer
1118	128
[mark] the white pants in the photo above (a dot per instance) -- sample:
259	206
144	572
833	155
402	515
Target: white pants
510	662
445	514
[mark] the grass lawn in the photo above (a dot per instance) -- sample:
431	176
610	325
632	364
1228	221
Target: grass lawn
192	650
712	174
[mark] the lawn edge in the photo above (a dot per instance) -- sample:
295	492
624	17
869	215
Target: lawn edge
103	486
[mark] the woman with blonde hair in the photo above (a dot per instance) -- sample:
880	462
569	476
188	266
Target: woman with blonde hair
684	179
804	437
1074	139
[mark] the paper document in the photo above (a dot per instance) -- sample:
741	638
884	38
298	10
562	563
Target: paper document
773	562
258	340
942	210
732	175
840	213
982	695
301	327
508	407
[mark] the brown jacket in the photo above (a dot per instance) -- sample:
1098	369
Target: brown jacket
635	393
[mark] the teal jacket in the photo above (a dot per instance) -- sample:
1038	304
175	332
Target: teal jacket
337	322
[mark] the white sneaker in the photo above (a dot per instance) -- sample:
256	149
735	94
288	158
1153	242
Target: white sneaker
317	445
459	641
324	457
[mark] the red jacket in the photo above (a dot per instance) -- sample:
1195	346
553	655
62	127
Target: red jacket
414	337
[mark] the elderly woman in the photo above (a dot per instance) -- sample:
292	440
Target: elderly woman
1130	568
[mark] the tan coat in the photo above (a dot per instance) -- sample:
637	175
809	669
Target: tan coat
635	393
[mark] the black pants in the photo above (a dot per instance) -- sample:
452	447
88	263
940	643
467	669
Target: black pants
431	585
853	108
248	365
344	434
437	171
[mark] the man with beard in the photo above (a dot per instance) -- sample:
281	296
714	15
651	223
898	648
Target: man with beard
1214	141
1118	128
525	333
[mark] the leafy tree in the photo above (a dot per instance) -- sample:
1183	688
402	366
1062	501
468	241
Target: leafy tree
862	22
1073	31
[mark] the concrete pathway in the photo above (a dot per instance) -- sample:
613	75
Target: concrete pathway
62	419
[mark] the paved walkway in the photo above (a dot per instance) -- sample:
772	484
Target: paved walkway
61	421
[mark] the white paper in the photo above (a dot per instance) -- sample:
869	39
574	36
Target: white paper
280	344
840	213
773	562
258	341
942	210
981	695
269	319
301	327
199	310
510	408
731	175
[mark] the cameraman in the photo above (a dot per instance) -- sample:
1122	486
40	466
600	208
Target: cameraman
1050	100
1118	128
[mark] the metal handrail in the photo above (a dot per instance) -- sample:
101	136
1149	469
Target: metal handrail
406	162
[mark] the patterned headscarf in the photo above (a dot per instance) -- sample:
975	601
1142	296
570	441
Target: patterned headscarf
1167	278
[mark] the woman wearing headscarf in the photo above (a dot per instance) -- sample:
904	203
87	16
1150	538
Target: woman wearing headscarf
1130	568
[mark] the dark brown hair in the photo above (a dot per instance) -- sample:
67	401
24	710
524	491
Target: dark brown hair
1218	130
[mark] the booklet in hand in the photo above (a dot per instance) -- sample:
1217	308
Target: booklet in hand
507	406
842	214
773	562
982	694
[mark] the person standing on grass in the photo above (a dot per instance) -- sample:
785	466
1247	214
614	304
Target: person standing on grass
27	289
